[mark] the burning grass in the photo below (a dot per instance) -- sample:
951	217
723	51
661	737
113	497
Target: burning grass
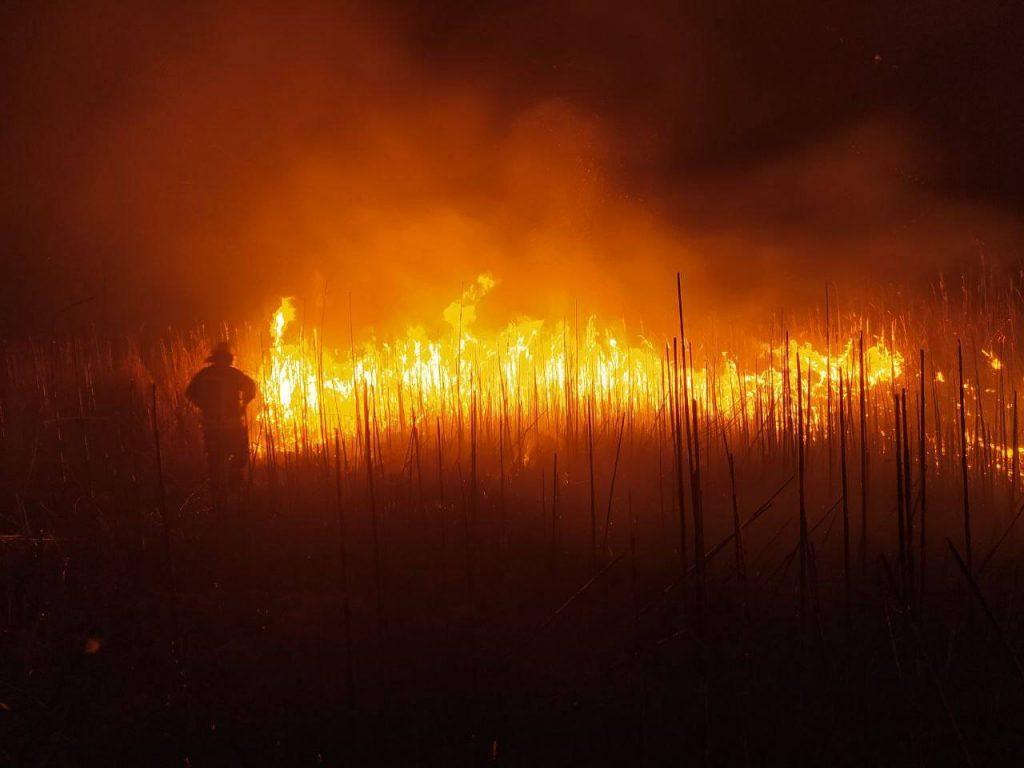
570	540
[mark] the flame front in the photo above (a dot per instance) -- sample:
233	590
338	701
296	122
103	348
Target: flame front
535	376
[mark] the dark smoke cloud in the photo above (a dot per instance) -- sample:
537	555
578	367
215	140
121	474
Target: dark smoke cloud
172	163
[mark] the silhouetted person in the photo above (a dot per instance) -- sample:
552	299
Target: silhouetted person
222	393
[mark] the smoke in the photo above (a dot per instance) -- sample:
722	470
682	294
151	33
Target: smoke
173	165
859	209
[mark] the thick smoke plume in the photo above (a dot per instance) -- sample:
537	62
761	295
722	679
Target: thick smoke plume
172	164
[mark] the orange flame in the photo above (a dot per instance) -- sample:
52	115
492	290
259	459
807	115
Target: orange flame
547	374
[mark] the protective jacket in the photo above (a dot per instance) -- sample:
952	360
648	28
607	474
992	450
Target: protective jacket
221	392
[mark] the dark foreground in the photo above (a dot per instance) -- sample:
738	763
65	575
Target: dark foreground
472	640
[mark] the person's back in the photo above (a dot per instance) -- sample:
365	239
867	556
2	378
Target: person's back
222	392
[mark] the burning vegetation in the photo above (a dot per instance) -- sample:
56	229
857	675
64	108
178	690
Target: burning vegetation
520	515
534	381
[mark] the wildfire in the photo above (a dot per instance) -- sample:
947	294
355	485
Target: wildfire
533	375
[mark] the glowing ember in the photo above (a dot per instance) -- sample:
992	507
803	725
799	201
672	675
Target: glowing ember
994	362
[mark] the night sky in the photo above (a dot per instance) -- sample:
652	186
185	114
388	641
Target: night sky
178	163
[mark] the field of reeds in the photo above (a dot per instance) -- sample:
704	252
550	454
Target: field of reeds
794	545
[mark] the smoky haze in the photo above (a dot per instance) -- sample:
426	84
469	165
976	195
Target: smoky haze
173	164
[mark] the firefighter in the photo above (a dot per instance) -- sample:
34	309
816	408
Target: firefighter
222	392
